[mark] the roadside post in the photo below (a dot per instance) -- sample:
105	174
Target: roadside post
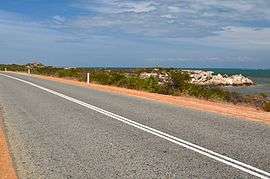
28	71
5	69
88	78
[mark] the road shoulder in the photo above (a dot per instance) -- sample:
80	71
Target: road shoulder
7	170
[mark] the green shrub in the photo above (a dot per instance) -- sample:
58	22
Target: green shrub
100	77
207	92
235	98
179	80
13	67
115	77
263	95
150	85
71	73
165	89
48	71
122	80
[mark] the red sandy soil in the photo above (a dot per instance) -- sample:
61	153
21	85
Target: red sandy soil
6	168
226	109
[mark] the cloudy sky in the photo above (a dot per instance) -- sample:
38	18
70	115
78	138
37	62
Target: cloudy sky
175	33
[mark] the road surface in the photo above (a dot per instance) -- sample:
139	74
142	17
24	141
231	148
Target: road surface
62	131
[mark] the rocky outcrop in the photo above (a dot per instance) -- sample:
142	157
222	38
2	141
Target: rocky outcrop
162	77
208	78
202	78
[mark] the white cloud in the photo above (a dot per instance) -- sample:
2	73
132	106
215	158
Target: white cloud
174	30
174	9
59	19
116	7
138	7
244	36
237	38
168	16
171	18
197	21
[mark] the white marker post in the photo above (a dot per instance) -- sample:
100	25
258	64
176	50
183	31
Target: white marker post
5	69
88	78
28	71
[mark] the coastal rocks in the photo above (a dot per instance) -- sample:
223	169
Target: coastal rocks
208	78
161	76
201	77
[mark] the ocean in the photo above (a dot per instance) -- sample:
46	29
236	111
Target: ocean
261	78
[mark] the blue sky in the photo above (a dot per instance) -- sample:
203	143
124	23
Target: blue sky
128	33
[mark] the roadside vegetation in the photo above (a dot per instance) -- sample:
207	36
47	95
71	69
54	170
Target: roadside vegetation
179	83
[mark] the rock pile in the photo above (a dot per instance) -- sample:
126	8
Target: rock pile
208	78
161	76
202	78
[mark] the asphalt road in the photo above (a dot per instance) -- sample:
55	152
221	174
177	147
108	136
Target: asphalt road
69	133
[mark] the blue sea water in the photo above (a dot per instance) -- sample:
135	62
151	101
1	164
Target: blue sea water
260	76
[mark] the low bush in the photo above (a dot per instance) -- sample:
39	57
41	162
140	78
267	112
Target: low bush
179	83
48	71
100	77
13	67
207	92
68	73
264	95
179	80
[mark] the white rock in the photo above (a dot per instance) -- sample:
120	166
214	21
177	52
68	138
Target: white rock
208	78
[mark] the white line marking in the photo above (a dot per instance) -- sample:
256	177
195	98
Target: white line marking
209	153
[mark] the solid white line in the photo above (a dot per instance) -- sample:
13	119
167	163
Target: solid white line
211	154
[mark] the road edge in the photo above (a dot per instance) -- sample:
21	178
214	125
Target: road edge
7	168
